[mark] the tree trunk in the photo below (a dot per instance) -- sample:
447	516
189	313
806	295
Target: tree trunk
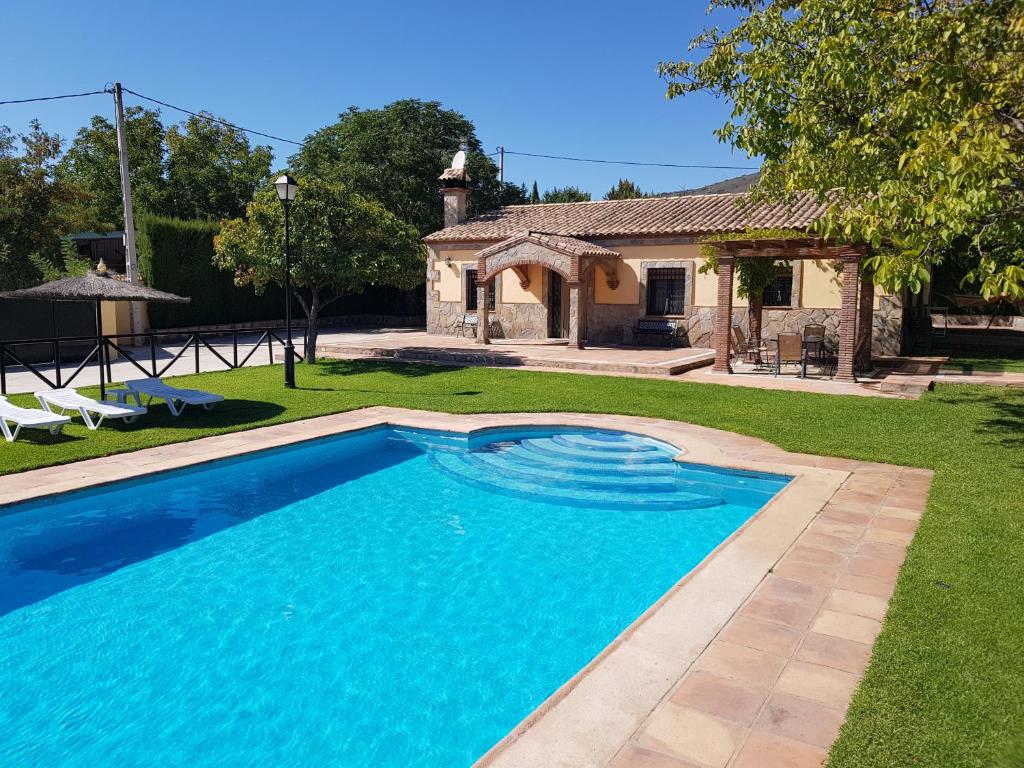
754	312
312	327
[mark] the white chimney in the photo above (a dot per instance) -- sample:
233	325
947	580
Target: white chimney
455	183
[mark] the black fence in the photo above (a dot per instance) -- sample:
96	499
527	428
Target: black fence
143	355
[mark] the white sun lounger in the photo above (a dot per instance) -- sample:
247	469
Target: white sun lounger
27	417
62	401
175	398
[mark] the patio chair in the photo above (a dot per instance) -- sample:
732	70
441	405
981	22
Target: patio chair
175	397
814	342
790	350
743	345
61	401
34	418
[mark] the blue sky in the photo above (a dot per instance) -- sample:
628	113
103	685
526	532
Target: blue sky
563	78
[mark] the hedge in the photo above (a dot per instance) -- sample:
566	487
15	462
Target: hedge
176	255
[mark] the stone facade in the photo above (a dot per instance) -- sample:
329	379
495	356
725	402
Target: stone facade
612	323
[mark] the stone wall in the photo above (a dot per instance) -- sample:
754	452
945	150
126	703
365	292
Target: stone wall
887	327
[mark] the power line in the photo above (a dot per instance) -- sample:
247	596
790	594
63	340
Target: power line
212	119
52	98
631	162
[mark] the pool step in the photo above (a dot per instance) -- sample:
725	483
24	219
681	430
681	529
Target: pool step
600	483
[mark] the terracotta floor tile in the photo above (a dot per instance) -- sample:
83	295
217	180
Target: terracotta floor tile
747	665
819	575
690	735
787	612
894	511
883	536
845	516
883	551
762	635
801	720
832	543
894	524
857	603
837	529
815	555
719	696
791	589
837	652
825	685
872	566
766	750
869	585
837	624
633	756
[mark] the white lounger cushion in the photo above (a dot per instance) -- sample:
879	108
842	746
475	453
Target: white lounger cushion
27	417
70	400
153	387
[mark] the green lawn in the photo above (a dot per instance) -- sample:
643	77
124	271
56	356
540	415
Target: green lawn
945	684
989	364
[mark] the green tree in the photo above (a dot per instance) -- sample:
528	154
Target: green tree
905	115
514	194
36	206
212	170
534	194
341	242
395	154
624	190
565	195
92	164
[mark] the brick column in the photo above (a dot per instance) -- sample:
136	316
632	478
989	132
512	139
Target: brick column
848	317
865	318
576	299
723	315
483	331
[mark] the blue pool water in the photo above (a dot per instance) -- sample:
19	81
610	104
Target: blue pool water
390	598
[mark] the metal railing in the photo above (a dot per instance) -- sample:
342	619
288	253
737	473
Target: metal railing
101	347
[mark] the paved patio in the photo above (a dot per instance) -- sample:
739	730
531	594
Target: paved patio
419	346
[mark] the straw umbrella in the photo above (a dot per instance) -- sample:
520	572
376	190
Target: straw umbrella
96	285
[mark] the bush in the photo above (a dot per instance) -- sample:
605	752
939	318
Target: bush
176	255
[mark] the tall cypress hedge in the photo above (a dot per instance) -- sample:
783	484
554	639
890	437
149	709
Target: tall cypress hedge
176	255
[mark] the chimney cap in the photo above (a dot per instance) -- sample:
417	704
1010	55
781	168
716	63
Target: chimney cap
455	177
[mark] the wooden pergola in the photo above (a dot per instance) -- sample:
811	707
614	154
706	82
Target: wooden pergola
858	294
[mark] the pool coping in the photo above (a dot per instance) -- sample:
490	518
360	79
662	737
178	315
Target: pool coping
605	713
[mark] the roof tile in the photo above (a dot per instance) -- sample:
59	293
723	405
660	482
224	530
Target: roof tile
648	216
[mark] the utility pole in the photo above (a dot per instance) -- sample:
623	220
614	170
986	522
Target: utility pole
131	256
501	164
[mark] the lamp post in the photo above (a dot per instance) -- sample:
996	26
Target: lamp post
286	189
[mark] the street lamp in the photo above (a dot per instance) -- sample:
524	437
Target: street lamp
286	189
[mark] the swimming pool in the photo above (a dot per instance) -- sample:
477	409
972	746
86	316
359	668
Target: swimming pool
389	598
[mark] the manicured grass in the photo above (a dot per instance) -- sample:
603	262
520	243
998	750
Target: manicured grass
944	687
996	364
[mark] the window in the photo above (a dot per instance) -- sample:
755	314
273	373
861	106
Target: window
779	293
471	292
665	289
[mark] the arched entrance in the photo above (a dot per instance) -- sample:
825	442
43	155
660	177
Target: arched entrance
566	261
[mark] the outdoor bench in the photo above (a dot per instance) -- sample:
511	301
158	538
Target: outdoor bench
662	329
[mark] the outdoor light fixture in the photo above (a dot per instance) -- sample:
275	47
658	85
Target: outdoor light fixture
286	189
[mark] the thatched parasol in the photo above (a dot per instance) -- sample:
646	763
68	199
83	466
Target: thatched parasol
97	285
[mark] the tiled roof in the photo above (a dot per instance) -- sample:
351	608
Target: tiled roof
568	245
687	215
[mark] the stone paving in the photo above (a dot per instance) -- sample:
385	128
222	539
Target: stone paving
773	687
458	350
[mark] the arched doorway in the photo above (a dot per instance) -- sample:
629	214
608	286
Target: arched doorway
556	300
